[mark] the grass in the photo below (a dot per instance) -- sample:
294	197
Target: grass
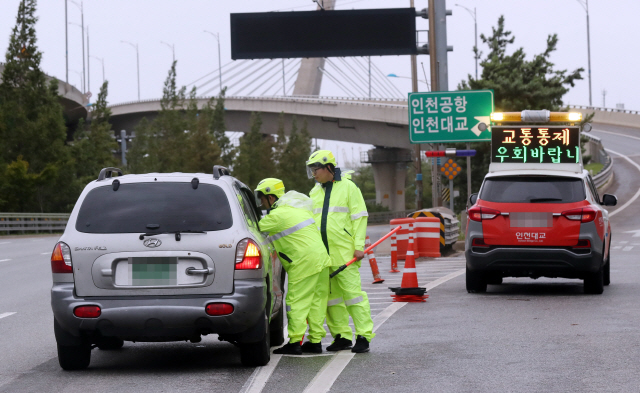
594	168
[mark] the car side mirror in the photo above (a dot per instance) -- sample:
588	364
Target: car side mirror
609	200
473	199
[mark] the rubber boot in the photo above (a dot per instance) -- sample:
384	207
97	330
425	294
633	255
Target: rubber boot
310	347
362	345
289	349
339	344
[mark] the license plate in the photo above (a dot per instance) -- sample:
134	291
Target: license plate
153	271
531	220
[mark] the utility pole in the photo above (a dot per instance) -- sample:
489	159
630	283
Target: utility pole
433	62
604	93
101	61
84	79
475	26
416	147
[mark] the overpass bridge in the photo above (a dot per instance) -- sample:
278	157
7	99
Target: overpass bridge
380	122
74	103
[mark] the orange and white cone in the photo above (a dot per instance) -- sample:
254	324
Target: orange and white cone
373	263
409	291
394	255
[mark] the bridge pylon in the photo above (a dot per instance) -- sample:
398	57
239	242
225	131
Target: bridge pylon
389	174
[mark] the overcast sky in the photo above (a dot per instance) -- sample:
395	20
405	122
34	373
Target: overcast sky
615	47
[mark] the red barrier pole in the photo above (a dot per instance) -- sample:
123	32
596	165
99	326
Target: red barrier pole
374	245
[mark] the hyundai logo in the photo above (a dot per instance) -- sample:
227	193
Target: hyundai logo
152	243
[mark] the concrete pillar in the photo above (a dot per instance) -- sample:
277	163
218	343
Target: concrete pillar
389	174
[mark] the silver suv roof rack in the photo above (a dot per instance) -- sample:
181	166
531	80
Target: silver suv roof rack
106	173
219	170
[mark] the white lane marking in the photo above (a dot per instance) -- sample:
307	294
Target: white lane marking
261	375
630	201
44	253
627	248
617	247
324	380
4	260
6	314
621	242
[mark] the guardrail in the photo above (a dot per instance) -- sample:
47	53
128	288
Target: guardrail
33	222
600	155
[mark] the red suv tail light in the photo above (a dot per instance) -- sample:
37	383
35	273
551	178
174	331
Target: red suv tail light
87	311
584	214
216	309
248	255
477	213
61	259
583	243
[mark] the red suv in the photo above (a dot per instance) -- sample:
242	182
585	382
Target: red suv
538	223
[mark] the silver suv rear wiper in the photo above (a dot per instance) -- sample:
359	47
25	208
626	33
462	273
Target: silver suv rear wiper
177	233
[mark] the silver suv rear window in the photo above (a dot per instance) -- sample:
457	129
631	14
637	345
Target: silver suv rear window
532	189
138	207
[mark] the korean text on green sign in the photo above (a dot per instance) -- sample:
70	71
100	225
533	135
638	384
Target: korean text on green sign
450	116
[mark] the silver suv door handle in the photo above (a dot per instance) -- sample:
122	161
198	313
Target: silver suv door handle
192	270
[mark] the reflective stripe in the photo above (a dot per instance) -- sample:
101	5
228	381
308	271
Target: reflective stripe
358	215
353	301
409	252
427	225
291	230
334	209
288	308
394	248
429	235
334	302
410	270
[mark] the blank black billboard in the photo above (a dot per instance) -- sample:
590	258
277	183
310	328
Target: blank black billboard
377	32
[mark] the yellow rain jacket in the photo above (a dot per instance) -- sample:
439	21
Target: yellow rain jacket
297	240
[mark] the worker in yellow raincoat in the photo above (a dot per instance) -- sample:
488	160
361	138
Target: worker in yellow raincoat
295	236
341	214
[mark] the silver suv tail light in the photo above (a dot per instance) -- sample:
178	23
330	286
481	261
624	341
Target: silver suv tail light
61	259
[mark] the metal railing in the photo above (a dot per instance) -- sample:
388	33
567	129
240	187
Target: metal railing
600	155
33	222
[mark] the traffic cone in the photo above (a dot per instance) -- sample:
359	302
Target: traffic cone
409	291
394	255
373	263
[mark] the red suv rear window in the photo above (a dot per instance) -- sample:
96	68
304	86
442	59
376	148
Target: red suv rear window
532	189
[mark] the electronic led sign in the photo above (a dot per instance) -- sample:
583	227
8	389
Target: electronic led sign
375	32
528	144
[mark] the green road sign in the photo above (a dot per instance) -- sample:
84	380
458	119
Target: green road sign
450	116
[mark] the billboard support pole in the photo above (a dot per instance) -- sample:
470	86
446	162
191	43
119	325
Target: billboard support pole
416	147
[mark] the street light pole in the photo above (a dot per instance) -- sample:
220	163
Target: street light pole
217	37
137	62
88	66
101	61
475	25
585	5
66	40
173	49
81	6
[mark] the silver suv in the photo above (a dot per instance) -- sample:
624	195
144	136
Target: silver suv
165	257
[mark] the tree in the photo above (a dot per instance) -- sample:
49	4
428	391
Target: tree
517	84
32	129
294	153
218	129
94	142
255	159
182	138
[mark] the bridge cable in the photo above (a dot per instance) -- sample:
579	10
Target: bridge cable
334	80
276	77
278	80
347	78
374	89
385	78
259	76
249	63
293	75
386	92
